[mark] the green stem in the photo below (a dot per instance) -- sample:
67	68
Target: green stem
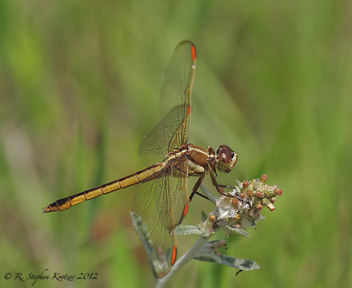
182	261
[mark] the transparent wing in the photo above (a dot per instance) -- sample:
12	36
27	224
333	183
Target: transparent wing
162	201
175	107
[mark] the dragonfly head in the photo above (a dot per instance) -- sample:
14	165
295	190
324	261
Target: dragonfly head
226	158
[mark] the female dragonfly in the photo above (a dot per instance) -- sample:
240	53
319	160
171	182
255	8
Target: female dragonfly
161	197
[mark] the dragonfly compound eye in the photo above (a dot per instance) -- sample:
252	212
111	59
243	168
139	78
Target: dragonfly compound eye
226	158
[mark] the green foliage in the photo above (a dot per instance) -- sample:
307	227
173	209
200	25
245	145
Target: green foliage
79	88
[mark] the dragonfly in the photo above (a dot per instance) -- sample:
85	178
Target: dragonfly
161	197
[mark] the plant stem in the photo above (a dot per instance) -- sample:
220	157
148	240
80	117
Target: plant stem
182	261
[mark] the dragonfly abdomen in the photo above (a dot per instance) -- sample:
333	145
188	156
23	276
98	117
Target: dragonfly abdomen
67	202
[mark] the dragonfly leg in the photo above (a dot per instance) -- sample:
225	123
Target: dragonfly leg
213	180
218	187
205	197
195	188
226	186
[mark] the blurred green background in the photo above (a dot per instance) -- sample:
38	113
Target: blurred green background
79	89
